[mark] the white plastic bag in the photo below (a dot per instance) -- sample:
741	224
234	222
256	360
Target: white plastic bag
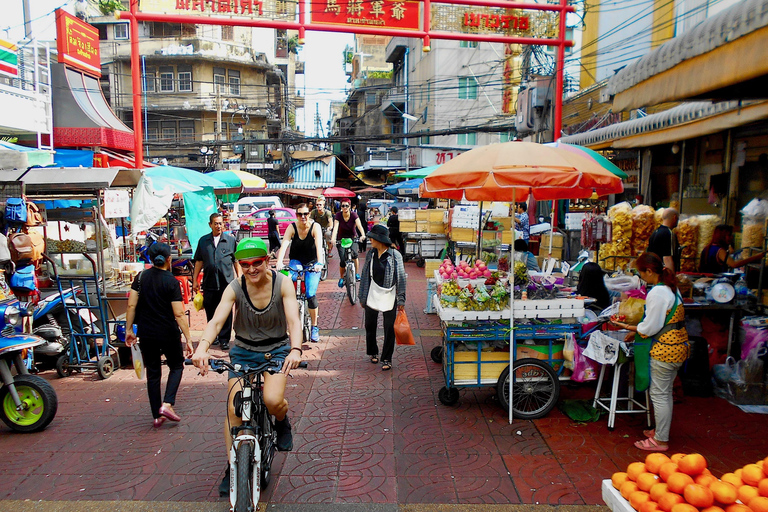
603	348
138	361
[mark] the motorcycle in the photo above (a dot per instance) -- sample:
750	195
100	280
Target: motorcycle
180	266
28	403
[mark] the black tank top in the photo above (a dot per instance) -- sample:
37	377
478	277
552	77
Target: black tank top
304	250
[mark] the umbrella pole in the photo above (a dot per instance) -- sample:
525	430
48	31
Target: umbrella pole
479	234
512	317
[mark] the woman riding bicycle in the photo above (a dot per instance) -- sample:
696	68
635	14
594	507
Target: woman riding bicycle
306	240
345	224
265	310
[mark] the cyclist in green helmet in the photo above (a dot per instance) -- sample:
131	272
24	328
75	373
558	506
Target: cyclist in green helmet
266	312
346	224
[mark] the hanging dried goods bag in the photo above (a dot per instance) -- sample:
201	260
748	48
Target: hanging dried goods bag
26	248
16	210
34	217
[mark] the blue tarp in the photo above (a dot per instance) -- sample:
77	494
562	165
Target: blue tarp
73	158
405	188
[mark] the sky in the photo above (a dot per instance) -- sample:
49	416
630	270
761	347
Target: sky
324	78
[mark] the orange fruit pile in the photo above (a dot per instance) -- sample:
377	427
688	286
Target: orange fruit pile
682	483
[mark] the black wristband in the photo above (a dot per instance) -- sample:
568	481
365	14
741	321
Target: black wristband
301	352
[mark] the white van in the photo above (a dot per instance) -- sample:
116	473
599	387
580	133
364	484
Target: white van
246	205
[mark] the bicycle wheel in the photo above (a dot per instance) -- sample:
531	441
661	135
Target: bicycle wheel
351	282
536	389
324	272
246	500
269	447
306	322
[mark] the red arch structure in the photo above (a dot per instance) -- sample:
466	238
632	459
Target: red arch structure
331	19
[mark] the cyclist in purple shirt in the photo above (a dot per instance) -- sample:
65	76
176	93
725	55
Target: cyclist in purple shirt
345	223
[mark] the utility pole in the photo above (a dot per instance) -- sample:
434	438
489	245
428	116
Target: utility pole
318	122
218	120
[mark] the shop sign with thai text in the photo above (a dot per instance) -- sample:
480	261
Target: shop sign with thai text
283	10
77	43
393	14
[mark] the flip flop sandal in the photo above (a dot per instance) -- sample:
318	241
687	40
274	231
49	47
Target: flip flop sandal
386	365
650	432
374	359
650	444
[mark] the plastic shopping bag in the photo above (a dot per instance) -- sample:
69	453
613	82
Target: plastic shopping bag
198	301
584	369
138	361
403	334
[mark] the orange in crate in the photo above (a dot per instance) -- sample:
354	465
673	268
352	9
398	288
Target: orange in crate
654	461
676	457
733	479
646	480
698	495
658	490
637	498
635	469
713	508
737	507
628	488
692	464
618	478
684	507
704	479
649	506
751	474
667	469
678	481
669	500
762	487
758	504
724	492
747	492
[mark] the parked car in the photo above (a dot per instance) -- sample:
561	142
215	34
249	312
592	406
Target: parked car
247	205
255	224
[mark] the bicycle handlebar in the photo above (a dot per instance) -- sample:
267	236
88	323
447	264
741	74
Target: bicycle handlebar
221	365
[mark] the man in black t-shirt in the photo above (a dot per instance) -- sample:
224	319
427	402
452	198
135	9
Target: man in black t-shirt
663	241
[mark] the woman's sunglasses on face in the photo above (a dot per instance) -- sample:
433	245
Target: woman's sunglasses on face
302	214
254	263
345	205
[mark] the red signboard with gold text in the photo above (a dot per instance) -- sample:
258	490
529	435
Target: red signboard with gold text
397	14
77	43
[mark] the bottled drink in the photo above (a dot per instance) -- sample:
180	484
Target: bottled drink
742	291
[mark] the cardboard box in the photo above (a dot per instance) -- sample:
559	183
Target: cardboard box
421	226
491	365
436	228
557	240
504	221
438	215
430	266
407	226
556	253
422	215
490	235
463	235
506	237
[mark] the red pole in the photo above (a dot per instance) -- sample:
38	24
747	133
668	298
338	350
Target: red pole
426	45
138	131
559	71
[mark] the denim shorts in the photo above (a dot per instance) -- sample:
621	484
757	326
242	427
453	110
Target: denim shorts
239	355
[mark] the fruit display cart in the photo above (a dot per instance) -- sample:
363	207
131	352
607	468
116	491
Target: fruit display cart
475	350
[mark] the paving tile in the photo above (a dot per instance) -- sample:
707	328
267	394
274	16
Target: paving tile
422	464
486	489
367	464
362	488
305	489
308	464
539	479
426	489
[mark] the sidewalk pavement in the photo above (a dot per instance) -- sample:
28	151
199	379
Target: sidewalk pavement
363	436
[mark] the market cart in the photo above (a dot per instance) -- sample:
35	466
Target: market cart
420	246
475	352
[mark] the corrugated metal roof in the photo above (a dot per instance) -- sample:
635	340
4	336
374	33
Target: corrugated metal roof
737	21
675	116
305	175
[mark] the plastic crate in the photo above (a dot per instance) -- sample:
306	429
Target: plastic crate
431	292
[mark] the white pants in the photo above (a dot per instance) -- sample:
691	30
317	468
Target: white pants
662	378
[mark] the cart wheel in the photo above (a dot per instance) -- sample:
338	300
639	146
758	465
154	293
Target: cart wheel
62	366
448	396
536	389
421	262
105	367
437	355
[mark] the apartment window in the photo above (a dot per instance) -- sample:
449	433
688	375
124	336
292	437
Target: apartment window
220	78
150	76
467	44
186	130
467	139
234	82
467	88
166	79
185	78
168	130
121	31
506	136
151	131
227	33
370	98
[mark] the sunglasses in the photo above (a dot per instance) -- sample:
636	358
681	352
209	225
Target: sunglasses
255	263
345	206
303	214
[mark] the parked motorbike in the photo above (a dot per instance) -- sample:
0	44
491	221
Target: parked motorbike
28	403
180	266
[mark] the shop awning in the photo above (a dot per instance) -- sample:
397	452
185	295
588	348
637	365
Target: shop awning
724	57
64	181
679	123
81	114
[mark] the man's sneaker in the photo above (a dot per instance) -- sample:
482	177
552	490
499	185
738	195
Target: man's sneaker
341	283
357	276
224	485
224	346
315	336
284	435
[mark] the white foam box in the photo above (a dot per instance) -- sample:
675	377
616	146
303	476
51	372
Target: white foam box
613	498
406	214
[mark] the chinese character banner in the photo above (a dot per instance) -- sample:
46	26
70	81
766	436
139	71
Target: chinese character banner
391	14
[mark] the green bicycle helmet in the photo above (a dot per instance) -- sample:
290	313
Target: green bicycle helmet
249	248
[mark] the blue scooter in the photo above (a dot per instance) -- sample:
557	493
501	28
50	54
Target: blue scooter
28	403
180	266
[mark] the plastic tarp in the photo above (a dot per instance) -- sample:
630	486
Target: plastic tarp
73	158
151	200
198	207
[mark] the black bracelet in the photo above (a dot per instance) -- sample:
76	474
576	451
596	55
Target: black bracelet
301	352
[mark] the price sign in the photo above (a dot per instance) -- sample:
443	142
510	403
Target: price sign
116	204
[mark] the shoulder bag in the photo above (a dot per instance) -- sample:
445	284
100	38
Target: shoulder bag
380	298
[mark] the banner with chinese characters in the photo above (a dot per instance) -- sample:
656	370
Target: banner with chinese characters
116	204
77	43
268	9
390	14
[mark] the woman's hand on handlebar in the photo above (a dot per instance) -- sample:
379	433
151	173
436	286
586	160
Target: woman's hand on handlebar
200	359
292	361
